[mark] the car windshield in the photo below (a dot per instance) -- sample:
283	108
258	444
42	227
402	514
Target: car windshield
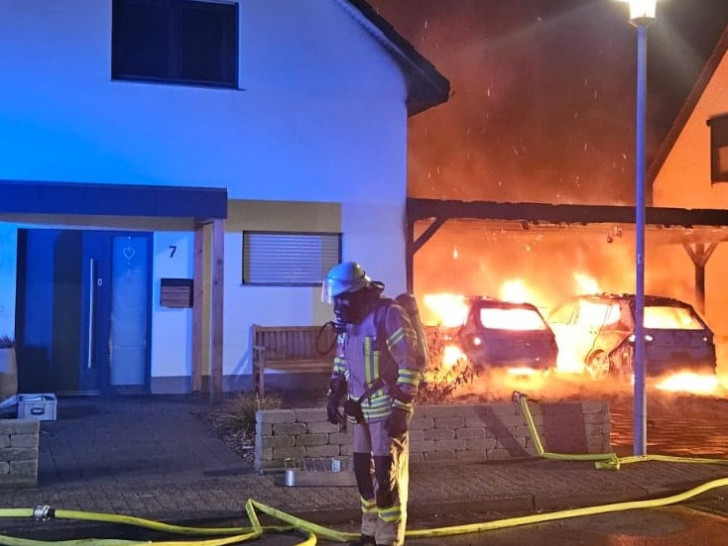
665	317
516	318
598	314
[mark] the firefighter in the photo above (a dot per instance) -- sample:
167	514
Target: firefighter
375	375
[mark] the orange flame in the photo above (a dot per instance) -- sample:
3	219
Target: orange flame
451	355
450	310
586	284
514	290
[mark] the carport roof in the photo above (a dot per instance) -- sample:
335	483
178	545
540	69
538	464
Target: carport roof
666	225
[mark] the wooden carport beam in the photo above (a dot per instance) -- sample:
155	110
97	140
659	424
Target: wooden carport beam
700	255
413	246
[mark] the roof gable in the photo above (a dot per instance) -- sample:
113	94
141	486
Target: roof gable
426	87
716	57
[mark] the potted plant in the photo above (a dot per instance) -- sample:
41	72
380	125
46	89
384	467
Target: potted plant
8	368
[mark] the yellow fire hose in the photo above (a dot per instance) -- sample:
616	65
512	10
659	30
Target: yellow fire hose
238	535
602	460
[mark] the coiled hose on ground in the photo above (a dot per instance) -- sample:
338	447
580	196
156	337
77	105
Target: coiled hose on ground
238	535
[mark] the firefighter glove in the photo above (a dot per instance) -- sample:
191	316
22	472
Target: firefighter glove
353	409
332	410
397	423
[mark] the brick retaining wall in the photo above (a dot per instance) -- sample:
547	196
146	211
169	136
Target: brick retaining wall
459	433
18	452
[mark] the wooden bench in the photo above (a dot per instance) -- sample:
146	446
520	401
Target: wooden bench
290	349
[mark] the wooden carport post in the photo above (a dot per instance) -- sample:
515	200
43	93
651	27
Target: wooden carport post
215	316
216	308
700	256
412	246
198	314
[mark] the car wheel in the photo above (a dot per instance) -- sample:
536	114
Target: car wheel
598	366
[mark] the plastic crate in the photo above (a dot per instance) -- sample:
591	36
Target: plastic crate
38	407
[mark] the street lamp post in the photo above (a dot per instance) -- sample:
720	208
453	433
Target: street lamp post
641	14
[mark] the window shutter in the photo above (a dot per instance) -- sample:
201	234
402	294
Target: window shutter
289	259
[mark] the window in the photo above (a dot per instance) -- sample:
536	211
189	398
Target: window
180	41
565	314
289	259
719	149
598	314
671	318
515	318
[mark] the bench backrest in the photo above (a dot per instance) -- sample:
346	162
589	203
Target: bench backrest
295	342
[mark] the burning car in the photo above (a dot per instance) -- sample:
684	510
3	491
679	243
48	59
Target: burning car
501	334
596	333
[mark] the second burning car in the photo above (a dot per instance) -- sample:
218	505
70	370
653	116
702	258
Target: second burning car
509	335
596	331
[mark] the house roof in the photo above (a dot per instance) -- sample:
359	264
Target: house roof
426	87
689	106
29	199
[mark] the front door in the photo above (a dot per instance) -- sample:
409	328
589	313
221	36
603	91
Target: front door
83	309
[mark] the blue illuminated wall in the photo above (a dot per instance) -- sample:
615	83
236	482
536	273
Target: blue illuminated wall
320	117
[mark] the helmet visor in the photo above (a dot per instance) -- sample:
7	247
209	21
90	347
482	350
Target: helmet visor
332	287
327	288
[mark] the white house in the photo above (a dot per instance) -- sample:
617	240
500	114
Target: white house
245	145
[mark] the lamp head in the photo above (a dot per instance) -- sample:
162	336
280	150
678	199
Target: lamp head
641	12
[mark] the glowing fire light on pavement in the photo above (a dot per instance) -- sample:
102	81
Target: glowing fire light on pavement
689	382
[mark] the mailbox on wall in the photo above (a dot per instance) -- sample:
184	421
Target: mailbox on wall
176	293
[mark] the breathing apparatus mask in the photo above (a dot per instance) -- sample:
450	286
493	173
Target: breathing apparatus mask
352	307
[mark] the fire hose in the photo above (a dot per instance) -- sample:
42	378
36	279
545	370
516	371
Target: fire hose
238	535
602	460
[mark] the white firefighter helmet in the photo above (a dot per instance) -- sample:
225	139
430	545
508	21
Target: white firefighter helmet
343	277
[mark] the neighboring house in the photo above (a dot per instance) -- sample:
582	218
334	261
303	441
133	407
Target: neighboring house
690	171
129	127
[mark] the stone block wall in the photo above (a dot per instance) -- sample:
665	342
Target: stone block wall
454	433
19	452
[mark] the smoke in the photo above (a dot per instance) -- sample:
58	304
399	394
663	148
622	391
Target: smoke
543	94
533	116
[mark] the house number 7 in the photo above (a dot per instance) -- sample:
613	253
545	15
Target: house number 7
172	251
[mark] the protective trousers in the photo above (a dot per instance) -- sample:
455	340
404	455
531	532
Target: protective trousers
381	466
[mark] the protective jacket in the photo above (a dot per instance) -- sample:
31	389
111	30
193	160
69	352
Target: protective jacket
380	346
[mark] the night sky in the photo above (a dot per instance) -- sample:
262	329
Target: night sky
542	100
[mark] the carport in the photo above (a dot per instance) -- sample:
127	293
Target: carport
142	208
698	231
